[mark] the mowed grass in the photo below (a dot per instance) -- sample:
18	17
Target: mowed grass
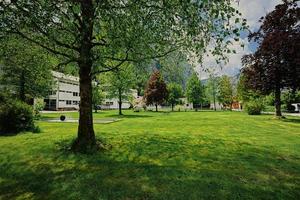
180	155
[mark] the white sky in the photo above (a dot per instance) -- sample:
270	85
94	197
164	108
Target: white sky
252	10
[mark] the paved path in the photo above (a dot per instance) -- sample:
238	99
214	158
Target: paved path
51	111
96	121
284	114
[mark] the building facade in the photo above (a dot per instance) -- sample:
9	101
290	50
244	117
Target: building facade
113	103
65	94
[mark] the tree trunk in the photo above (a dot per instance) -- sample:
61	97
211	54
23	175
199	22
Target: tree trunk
214	96
172	105
120	102
156	107
277	102
85	140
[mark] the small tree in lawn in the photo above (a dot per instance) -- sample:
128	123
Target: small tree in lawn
175	92
156	91
194	90
225	91
98	97
121	81
212	89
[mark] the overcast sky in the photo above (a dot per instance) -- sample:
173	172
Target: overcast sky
252	10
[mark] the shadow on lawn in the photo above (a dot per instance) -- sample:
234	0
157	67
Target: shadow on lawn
291	120
129	116
155	167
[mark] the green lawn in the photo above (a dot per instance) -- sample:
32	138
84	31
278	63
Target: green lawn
182	155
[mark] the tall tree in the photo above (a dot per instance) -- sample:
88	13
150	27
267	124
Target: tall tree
212	89
24	68
120	83
175	92
142	72
156	91
276	63
225	91
195	91
98	96
176	69
100	36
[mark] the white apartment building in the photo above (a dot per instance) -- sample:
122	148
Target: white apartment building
65	95
113	103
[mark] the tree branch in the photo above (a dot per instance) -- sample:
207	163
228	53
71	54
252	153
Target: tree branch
42	45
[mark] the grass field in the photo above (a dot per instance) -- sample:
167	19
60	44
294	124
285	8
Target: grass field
181	155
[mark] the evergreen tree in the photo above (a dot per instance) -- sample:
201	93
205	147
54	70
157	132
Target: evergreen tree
194	91
225	91
175	92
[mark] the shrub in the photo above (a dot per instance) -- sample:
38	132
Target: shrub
36	129
179	108
15	116
254	107
38	107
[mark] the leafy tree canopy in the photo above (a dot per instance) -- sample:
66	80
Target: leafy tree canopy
175	92
156	91
276	63
225	91
194	90
25	69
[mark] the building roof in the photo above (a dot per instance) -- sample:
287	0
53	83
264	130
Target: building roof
60	75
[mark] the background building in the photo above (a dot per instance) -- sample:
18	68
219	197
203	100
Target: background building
65	95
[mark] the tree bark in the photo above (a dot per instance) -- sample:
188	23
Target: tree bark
172	107
277	102
156	107
214	97
120	102
85	140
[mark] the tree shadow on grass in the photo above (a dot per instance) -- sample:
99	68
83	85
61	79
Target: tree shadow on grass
291	120
155	167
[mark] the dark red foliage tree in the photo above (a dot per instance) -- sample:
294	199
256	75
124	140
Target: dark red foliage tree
276	63
156	91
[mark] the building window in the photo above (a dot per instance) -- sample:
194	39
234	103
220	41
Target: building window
61	100
52	93
75	94
75	102
109	103
69	102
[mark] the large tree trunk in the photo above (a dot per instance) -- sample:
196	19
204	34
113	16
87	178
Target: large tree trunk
85	140
277	102
120	102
